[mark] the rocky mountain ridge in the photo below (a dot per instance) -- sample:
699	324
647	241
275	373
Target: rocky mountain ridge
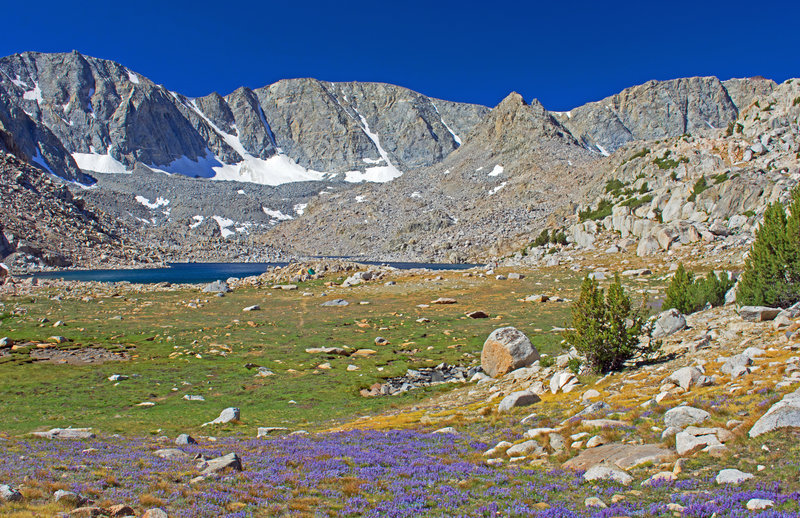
107	118
534	183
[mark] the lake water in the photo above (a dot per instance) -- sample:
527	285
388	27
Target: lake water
204	272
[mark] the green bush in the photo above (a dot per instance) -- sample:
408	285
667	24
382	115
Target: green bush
668	163
687	294
546	361
614	186
771	274
543	238
606	328
557	237
574	364
603	209
699	186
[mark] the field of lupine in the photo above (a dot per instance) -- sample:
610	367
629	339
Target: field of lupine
357	473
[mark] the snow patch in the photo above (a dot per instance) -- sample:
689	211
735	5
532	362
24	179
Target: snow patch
497	189
497	171
416	194
224	223
99	163
276	214
133	78
374	174
361	199
197	221
372	160
455	137
446	172
602	150
240	191
20	83
34	95
300	208
160	202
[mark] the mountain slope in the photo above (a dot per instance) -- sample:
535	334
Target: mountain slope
107	119
507	178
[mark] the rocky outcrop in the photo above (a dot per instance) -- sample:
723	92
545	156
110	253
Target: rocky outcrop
43	224
659	109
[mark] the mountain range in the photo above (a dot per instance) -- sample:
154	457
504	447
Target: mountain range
314	167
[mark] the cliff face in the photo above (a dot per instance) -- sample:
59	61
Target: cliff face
97	115
660	109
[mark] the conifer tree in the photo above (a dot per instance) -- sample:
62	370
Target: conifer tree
771	275
606	328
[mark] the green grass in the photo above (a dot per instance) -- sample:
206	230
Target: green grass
157	325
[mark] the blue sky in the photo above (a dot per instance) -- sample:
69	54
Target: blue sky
563	53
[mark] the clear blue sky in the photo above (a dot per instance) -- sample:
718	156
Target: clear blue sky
563	53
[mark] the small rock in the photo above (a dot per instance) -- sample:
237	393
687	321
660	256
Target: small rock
603	473
68	498
335	303
228	415
170	453
448	430
217	287
668	322
732	476
254	307
184	439
683	416
230	461
444	300
119	510
477	314
155	513
381	341
517	399
507	349
758	313
9	494
593	501
758	504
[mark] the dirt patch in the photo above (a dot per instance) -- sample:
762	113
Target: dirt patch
85	356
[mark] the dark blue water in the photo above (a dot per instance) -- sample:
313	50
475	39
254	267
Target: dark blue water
178	273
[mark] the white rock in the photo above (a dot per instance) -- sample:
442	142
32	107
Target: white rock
732	476
599	472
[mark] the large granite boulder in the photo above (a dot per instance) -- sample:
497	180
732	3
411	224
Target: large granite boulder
505	350
783	414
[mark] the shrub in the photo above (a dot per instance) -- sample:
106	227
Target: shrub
614	186
771	274
557	237
574	364
606	328
543	238
699	186
603	209
668	163
546	361
687	294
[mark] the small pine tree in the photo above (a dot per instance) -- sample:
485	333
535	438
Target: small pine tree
606	328
687	294
680	292
771	274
